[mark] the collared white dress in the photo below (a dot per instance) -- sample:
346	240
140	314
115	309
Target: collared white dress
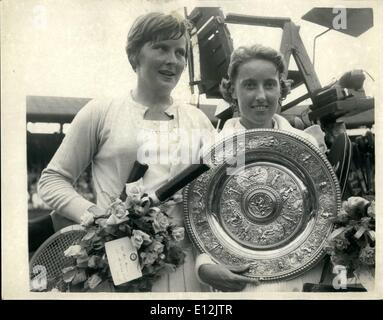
111	134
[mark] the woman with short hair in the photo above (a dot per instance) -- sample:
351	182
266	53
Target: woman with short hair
256	87
145	125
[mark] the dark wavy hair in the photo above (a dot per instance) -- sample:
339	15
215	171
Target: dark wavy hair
153	27
245	54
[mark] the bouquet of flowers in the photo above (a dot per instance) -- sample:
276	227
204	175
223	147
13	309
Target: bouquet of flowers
352	243
150	230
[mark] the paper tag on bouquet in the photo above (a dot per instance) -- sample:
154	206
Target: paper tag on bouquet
123	260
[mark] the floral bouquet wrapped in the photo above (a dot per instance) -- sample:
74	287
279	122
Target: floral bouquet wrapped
352	243
151	233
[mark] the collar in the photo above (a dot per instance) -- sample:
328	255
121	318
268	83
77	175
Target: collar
171	110
236	123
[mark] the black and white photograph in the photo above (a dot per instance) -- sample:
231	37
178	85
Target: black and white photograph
170	149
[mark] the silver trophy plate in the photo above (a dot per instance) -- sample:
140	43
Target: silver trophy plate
267	201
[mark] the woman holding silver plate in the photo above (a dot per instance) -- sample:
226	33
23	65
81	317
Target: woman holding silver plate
256	86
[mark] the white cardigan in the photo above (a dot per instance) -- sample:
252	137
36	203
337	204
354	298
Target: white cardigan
108	134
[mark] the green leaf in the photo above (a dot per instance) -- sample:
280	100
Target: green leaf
85	244
94	262
67	269
98	245
90	235
111	230
122	227
82	262
79	277
69	275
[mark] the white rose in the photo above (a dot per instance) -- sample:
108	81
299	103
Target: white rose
178	233
160	222
102	222
114	220
157	247
75	251
118	209
139	237
134	192
354	203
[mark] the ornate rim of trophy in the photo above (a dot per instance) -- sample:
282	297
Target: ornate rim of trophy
267	201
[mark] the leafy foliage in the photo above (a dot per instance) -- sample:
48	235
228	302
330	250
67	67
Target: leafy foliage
352	243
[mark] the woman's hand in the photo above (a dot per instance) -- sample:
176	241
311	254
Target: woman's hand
224	279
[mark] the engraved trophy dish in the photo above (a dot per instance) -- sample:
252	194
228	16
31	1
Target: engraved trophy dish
267	201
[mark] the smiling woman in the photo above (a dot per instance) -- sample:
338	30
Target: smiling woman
159	67
255	86
156	49
109	134
257	91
